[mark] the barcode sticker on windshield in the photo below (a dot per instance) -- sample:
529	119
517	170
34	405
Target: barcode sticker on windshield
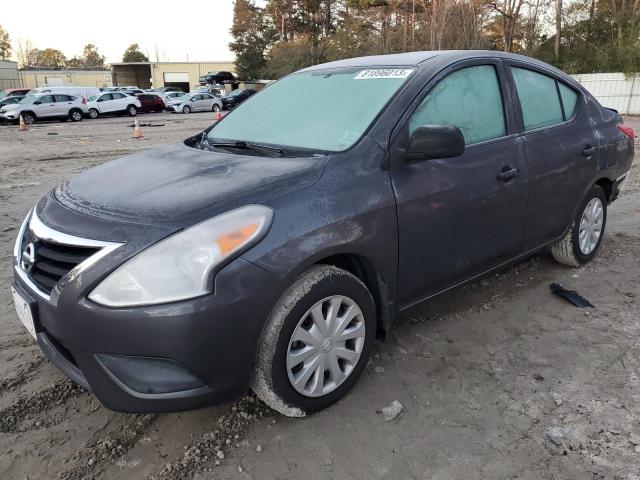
383	73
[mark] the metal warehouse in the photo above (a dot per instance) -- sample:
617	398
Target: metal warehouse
183	75
38	77
9	75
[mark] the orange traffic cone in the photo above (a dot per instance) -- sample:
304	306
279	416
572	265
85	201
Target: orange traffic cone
137	133
23	126
218	116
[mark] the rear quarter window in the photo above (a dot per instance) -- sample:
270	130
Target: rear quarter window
569	99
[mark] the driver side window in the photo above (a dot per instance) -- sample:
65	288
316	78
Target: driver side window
470	99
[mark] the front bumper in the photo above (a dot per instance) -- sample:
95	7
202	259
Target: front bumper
170	357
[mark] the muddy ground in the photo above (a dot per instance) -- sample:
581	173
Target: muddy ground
499	380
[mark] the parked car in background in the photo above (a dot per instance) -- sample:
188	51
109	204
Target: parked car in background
168	89
10	99
170	95
150	102
85	92
11	92
217	78
195	102
236	97
46	106
113	103
133	91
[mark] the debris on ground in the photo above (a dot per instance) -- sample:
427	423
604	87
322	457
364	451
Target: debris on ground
556	436
392	411
570	295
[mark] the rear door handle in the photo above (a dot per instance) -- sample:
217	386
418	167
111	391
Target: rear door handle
507	173
588	151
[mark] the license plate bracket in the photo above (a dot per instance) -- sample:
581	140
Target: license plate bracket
25	312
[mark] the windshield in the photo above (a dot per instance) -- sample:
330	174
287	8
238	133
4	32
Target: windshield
235	93
326	110
28	100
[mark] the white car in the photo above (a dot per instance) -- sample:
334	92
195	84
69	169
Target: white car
166	96
113	103
46	106
195	102
85	92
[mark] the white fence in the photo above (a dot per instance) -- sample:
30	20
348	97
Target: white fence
614	90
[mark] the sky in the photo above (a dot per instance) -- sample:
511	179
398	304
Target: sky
193	30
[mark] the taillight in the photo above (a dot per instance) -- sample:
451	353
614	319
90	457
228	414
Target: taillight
627	130
84	100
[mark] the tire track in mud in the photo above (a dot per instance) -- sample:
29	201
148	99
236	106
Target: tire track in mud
23	376
104	452
58	393
210	448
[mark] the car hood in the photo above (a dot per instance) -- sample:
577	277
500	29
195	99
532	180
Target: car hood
176	185
11	106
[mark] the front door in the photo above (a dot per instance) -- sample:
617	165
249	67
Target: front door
458	217
47	107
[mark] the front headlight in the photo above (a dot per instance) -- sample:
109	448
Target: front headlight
179	267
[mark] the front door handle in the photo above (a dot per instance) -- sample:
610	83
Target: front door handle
588	151
507	173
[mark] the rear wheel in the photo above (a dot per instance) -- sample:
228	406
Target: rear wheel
186	109
582	241
93	113
75	115
132	110
316	342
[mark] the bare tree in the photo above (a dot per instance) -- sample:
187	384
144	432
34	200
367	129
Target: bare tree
556	50
509	10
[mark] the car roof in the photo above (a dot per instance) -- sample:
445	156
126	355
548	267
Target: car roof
417	58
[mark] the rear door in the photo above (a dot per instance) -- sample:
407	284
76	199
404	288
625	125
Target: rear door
560	147
458	217
120	101
64	104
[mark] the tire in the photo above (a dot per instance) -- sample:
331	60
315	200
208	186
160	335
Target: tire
29	118
75	115
186	109
132	110
320	289
580	245
158	110
215	108
93	113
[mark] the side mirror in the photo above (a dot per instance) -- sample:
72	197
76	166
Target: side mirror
435	141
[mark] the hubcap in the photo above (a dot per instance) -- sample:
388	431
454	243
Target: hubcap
325	346
591	226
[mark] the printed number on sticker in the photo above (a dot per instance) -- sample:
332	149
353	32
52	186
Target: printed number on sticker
383	73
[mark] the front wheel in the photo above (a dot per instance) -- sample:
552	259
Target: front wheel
216	108
93	113
582	242
316	342
29	118
186	109
132	110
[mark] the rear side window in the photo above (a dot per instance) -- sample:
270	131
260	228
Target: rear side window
470	99
569	100
542	98
63	98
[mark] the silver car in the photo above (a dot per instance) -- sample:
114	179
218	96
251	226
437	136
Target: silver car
195	102
46	106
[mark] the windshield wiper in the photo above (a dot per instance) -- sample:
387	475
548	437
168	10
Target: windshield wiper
241	144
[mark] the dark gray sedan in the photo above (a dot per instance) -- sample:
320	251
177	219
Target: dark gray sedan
268	251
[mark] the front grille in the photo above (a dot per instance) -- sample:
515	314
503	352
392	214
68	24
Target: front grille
52	260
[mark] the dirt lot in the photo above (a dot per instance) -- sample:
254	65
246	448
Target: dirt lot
489	375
